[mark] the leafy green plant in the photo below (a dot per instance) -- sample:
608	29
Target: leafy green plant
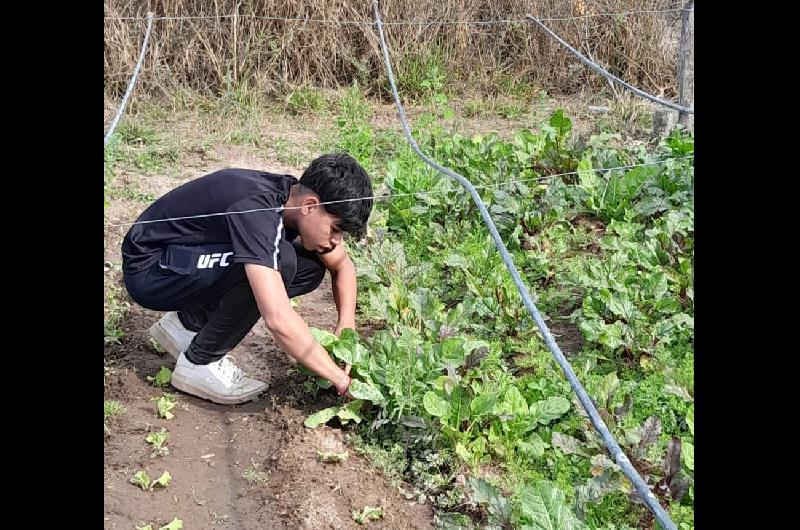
141	479
355	135
369	513
304	100
114	309
162	378
175	524
165	403
330	457
111	409
609	252
253	476
159	442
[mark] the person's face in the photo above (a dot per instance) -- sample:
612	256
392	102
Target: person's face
318	229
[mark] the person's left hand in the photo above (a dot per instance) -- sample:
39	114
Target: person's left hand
343	388
342	326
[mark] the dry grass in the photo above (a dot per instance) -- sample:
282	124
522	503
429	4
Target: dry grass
236	55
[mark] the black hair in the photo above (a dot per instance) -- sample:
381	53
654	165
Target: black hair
336	177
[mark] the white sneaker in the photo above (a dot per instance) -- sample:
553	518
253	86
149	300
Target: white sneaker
171	335
220	381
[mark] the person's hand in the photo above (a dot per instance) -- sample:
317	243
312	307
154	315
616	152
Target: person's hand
342	326
342	387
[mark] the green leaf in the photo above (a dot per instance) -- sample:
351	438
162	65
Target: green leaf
621	306
452	520
175	524
348	349
419	209
360	354
588	178
690	419
631	436
596	488
611	335
367	514
679	391
325	338
496	435
162	378
454	260
415	422
323	416
361	390
444	384
141	479
568	444
163	480
549	409
608	385
435	405
459	404
477	446
516	401
670	305
544	507
344	353
651	205
688	455
483	404
145	527
463	452
349	335
452	349
470	345
350	411
482	491
682	319
485	493
332	457
561	123
158	440
657	282
165	405
600	462
534	446
112	408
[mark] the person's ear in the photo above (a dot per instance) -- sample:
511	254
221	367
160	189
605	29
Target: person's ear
309	202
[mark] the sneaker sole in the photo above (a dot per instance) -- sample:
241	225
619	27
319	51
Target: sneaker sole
165	340
190	388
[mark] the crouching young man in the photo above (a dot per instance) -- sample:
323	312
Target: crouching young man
215	275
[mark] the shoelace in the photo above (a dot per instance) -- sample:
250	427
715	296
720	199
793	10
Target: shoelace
228	369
